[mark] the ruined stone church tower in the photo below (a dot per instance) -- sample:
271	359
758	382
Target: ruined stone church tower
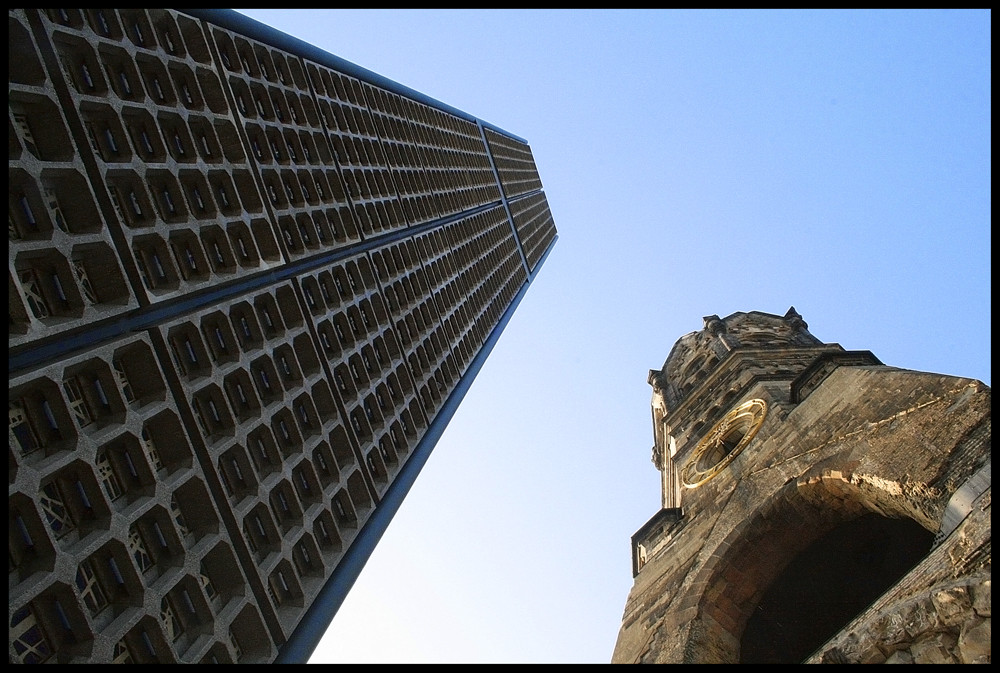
818	506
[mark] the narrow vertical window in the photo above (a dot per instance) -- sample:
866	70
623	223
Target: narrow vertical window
158	90
121	654
50	419
91	592
161	273
178	515
244	252
321	461
207	584
190	352
134	202
220	340
88	80
109	479
198	200
137	31
54	510
217	253
33	294
88	288
21	433
77	403
324	533
149	448
125	84
102	23
24	125
171	625
237	650
168	201
27	638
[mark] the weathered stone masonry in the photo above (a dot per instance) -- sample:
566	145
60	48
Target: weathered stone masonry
850	524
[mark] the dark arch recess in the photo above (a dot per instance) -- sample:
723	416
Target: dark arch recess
829	583
799	570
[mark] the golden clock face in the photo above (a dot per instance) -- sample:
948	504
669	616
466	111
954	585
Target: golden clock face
724	442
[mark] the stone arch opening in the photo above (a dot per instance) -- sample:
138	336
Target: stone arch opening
828	584
800	569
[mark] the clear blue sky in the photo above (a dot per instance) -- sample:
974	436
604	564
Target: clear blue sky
695	163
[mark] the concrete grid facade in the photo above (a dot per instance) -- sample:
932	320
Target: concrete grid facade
248	285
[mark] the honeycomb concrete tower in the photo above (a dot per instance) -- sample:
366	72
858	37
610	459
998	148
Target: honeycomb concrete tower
248	284
818	506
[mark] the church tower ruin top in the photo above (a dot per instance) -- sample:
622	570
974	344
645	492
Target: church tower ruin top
811	497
